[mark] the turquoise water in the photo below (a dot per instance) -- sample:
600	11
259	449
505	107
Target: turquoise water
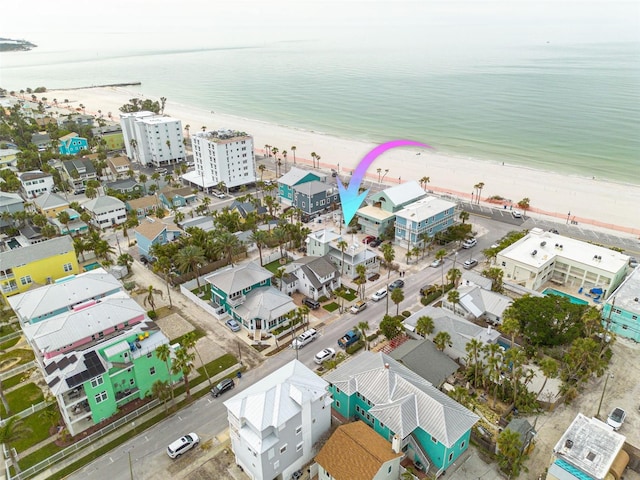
568	109
572	299
91	266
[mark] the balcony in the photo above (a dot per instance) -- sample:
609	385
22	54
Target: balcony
126	395
234	302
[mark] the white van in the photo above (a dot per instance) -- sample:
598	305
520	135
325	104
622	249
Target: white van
304	338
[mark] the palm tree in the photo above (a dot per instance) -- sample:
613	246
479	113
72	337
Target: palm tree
259	237
454	297
189	342
524	204
424	326
162	392
187	128
442	340
473	348
464	216
262	168
189	259
163	352
183	363
493	354
361	279
293	149
363	327
510	326
226	243
12	431
510	456
313	158
397	296
64	218
389	255
549	368
454	275
424	181
342	245
150	299
163	266
279	276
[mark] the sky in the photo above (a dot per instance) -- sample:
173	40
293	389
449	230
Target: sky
169	23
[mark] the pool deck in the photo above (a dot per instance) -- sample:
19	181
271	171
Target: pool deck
585	296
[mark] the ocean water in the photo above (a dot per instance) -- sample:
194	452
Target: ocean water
571	109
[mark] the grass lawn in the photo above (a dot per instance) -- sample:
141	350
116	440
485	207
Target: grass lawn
274	266
350	295
331	307
16	379
205	290
38	430
22	398
23	354
9	343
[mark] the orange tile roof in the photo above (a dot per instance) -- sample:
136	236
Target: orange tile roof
149	229
355	452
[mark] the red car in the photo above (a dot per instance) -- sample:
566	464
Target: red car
368	238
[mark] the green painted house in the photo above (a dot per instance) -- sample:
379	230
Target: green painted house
295	176
244	292
433	429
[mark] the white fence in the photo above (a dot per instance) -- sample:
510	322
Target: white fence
18	369
25	413
206	306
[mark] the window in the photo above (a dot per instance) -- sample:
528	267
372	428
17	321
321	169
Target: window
149	355
299	447
298	429
337	404
67	267
96	382
283	449
101	397
26	280
152	371
389	469
132	382
462	444
433	439
451	456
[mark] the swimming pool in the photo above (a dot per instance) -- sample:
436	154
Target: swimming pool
91	266
572	299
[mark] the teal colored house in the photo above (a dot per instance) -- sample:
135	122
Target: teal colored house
71	144
433	429
295	176
244	292
621	312
176	197
428	216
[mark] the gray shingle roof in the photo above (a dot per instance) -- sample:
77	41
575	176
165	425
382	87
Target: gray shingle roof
426	360
38	251
293	176
236	279
401	399
313	188
315	268
267	303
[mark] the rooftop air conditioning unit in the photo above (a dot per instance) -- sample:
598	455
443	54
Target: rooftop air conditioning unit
542	244
533	254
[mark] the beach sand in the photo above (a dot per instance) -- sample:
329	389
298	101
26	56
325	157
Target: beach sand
589	200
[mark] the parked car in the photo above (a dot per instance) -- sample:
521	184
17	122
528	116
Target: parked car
375	242
429	289
396	284
374	277
311	303
469	242
359	306
161	170
349	338
219	195
233	325
633	262
323	355
437	262
304	338
469	264
616	418
516	213
183	444
379	295
368	239
223	386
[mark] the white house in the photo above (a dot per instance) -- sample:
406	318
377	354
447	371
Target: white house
36	183
276	423
541	257
475	303
106	211
157	139
327	242
222	156
314	276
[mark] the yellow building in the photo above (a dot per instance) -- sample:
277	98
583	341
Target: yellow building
50	204
39	264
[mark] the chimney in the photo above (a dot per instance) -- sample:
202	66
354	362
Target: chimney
396	445
386	365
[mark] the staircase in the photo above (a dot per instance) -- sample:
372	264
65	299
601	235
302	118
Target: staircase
414	443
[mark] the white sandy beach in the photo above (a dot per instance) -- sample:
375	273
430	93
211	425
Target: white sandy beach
590	201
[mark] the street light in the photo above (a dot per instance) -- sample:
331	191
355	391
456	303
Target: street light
604	389
568	215
128	452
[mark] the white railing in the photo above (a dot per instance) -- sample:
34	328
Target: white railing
29	411
18	369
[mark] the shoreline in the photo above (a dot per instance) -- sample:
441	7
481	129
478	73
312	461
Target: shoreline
598	202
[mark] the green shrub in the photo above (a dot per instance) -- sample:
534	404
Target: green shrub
372	337
351	349
129	286
322	299
152	315
406	314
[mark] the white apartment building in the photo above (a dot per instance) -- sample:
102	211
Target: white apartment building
542	257
222	156
157	139
36	183
106	211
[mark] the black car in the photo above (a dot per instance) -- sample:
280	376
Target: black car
396	284
223	386
375	243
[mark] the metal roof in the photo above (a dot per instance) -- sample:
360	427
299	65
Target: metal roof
32	253
293	176
267	303
237	278
402	399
